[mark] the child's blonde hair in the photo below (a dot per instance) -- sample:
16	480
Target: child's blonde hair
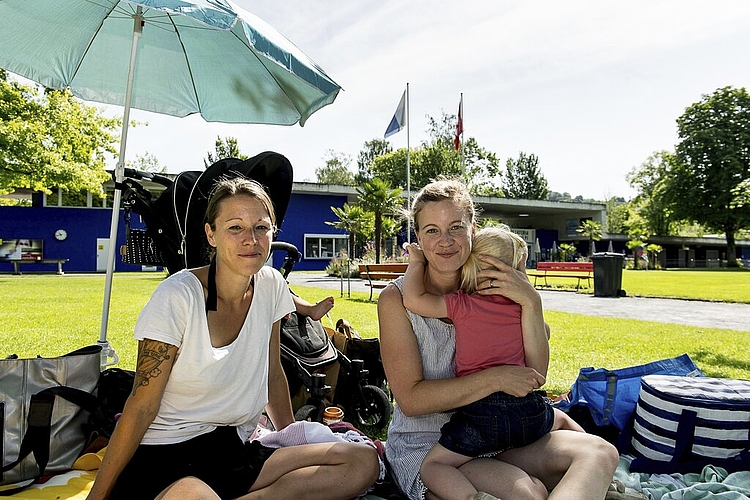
495	241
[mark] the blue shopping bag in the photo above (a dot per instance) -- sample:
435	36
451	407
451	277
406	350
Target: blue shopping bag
611	395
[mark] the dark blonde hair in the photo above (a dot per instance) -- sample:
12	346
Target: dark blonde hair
495	241
232	186
440	190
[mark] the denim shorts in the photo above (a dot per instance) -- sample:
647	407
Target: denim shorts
497	423
219	458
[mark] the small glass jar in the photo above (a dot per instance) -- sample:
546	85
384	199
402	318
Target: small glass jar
332	414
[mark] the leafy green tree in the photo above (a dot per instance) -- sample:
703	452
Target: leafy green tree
555	196
50	140
354	220
377	197
371	150
566	251
651	181
336	170
523	178
437	157
592	230
147	163
713	164
617	215
224	148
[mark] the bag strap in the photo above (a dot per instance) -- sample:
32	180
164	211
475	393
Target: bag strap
37	437
345	327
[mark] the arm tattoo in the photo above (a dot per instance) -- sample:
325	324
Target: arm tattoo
151	354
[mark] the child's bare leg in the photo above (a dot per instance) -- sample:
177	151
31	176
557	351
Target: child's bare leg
321	308
563	421
440	474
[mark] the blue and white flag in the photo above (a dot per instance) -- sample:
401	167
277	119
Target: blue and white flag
398	121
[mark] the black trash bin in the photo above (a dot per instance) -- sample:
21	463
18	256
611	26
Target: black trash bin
608	274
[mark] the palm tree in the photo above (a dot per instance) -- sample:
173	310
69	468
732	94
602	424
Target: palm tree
376	196
354	220
592	230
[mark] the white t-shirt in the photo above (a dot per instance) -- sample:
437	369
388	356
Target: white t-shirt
211	387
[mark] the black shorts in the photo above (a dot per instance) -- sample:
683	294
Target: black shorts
219	458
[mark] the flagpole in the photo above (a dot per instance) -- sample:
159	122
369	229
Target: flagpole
408	170
461	117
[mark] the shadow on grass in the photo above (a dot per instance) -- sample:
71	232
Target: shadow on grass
711	359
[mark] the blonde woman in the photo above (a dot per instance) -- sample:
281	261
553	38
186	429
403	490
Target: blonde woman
419	358
499	421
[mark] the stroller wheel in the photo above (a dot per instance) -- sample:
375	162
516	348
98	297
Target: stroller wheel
306	412
374	413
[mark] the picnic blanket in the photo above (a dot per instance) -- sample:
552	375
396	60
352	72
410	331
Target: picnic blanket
712	483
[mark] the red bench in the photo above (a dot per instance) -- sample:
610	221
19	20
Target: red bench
379	275
578	270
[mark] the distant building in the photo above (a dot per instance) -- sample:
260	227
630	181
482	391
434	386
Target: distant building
85	224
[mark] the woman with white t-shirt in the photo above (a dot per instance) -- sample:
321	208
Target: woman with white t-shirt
208	365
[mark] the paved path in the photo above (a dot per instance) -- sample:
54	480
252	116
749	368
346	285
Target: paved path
684	312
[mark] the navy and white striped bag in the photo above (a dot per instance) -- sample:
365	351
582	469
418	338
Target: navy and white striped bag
684	423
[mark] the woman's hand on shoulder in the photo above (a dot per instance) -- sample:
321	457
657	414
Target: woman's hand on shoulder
501	279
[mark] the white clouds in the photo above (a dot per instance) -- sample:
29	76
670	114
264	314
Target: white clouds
591	87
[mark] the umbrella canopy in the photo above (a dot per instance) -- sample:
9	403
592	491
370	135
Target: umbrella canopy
206	56
175	57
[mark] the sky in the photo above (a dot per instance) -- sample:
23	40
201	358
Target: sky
590	87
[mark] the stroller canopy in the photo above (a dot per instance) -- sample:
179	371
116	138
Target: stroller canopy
175	220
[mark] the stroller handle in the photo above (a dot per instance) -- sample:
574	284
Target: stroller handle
292	256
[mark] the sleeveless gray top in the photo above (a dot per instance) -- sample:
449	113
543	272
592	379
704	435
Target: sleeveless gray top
410	438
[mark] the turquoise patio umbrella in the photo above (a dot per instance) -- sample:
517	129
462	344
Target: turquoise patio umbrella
174	57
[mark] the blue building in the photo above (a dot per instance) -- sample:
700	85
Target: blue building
60	226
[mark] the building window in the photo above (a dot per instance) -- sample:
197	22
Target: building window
74	198
324	246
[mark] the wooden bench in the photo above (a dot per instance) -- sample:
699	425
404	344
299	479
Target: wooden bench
17	263
578	270
379	275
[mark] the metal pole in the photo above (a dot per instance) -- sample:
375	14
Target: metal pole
408	170
109	357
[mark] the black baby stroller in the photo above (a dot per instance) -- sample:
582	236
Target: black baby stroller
311	361
175	235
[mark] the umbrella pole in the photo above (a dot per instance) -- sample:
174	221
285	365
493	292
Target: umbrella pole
109	357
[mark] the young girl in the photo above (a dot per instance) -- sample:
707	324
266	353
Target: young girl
488	333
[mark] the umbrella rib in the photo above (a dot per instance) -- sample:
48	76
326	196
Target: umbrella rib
112	7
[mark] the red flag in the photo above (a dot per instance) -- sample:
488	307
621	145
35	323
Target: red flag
459	125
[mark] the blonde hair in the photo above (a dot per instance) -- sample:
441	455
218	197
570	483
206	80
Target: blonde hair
496	241
440	190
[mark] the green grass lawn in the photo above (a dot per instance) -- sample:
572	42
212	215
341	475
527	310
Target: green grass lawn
722	285
50	315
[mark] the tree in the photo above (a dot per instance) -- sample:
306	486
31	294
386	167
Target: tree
147	163
354	220
650	181
592	230
377	197
336	170
436	157
224	148
524	179
566	251
371	150
52	140
713	162
617	215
